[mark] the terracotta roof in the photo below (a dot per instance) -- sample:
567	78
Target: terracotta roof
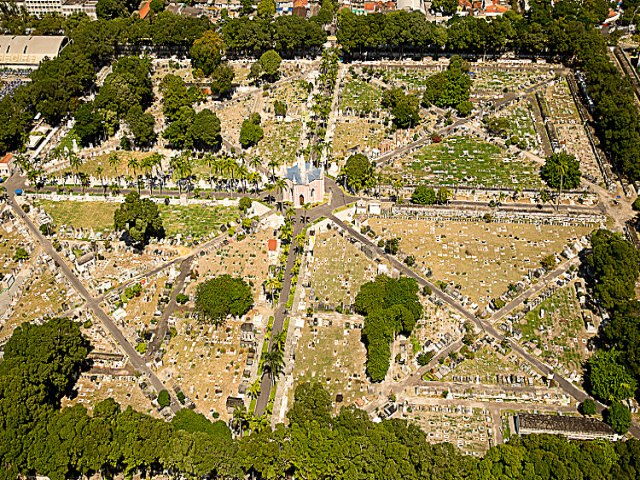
7	158
272	244
496	9
300	3
146	8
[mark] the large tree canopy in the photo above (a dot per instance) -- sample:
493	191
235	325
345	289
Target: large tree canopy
615	267
206	52
139	218
391	306
222	296
608	379
561	171
358	172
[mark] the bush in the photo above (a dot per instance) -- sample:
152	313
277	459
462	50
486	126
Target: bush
619	417
163	399
424	358
588	407
181	299
244	204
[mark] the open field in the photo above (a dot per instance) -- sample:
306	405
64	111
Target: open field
519	126
556	328
208	363
9	242
334	356
338	269
481	258
466	161
195	221
503	81
489	366
96	216
124	390
247	258
293	94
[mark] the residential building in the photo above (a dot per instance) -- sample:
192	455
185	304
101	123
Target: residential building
5	165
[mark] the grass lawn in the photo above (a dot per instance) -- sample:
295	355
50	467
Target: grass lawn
360	134
338	269
192	220
467	161
334	357
90	165
87	215
280	143
196	221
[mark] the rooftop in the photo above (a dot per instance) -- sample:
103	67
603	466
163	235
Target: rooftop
29	50
565	425
7	158
296	176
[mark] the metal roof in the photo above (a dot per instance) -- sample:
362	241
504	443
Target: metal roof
312	173
29	50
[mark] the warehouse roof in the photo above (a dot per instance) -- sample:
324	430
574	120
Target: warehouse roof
29	50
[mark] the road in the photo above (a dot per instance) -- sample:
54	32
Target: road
338	199
163	323
92	303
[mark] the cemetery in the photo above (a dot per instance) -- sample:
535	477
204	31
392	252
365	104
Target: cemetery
517	126
466	161
281	142
328	349
489	80
359	98
338	269
479	259
468	428
556	330
354	134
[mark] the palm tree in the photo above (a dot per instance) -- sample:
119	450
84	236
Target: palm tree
133	164
115	188
299	241
84	180
32	176
254	177
183	169
99	171
273	362
76	162
305	217
255	162
210	161
270	187
272	165
290	213
114	161
243	174
279	340
271	285
147	164
281	184
254	389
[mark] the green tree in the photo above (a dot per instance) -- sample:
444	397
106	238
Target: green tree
251	132
588	407
193	422
619	417
20	254
140	219
447	7
206	52
157	6
561	171
204	131
245	204
222	80
614	264
164	400
280	108
358	172
270	65
141	125
607	379
222	296
423	195
266	8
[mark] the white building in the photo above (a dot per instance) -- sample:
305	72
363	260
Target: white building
24	51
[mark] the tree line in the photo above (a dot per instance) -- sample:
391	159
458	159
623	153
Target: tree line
42	363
